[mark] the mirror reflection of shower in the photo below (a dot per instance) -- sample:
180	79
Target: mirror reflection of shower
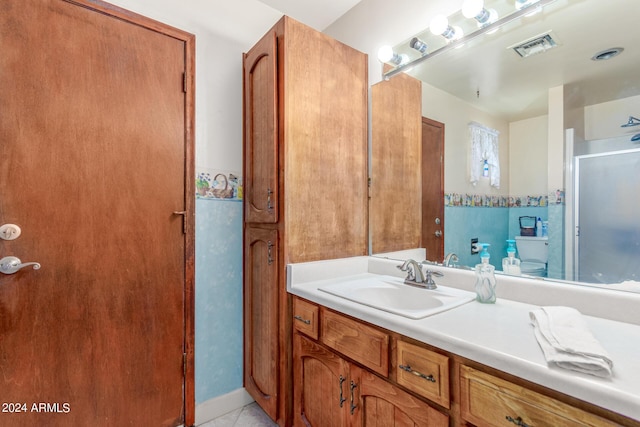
630	123
607	238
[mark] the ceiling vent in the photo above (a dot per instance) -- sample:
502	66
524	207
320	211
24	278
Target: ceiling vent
535	45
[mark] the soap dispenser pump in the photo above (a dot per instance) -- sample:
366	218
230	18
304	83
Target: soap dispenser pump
511	264
485	278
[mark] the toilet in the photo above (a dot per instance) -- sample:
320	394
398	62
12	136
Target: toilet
533	253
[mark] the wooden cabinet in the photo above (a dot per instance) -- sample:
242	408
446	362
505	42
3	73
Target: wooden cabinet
330	391
305	317
384	404
423	371
357	374
260	307
491	401
340	380
305	185
354	339
321	385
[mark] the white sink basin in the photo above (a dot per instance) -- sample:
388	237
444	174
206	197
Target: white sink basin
390	294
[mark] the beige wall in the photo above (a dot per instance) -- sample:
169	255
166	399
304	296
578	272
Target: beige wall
604	120
456	115
528	156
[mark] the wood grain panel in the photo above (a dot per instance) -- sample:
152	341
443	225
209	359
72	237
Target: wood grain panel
260	91
488	400
429	364
325	133
391	406
396	156
321	379
362	343
261	326
305	317
96	150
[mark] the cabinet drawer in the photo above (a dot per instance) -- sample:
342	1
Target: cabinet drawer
305	318
362	343
488	400
423	371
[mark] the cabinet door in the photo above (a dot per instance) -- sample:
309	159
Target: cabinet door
321	385
381	404
261	131
261	355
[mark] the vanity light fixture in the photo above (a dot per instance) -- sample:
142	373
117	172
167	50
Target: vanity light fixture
521	4
418	45
387	55
475	9
440	27
453	44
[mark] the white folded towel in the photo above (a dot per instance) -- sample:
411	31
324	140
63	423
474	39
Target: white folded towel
565	339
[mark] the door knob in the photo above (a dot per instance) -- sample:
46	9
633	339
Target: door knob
11	264
438	233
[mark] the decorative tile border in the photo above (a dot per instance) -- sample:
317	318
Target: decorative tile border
218	185
486	201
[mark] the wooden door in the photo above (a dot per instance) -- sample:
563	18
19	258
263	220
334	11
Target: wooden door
381	404
321	386
433	189
261	308
93	163
261	131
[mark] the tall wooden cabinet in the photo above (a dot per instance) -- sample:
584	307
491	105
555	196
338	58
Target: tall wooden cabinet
305	185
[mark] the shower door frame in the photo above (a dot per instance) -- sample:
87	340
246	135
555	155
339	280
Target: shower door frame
575	226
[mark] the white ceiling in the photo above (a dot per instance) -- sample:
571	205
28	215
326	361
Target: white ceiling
318	14
494	78
243	21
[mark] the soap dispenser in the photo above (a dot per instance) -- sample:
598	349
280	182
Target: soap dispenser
511	264
485	279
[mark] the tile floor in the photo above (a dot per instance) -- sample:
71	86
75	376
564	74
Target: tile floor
249	416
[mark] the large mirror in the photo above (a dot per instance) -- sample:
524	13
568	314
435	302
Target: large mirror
568	147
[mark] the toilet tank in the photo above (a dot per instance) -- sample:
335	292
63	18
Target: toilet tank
531	248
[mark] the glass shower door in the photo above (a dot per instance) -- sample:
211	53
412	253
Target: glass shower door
608	224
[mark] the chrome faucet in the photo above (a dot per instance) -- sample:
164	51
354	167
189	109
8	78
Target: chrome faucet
449	259
414	272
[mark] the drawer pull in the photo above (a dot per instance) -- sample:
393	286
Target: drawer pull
353	405
517	421
417	374
305	321
342	399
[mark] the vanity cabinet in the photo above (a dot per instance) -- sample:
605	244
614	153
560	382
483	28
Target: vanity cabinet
342	378
490	401
305	185
329	391
348	372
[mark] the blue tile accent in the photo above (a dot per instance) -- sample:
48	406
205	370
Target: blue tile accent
489	225
218	298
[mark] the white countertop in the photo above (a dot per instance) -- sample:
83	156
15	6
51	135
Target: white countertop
498	335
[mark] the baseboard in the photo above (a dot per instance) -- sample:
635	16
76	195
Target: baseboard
218	406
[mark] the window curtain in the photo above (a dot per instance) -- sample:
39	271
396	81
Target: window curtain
484	148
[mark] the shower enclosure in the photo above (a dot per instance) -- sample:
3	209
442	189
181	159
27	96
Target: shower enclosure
606	206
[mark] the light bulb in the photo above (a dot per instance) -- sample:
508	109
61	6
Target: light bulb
439	25
472	8
385	53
